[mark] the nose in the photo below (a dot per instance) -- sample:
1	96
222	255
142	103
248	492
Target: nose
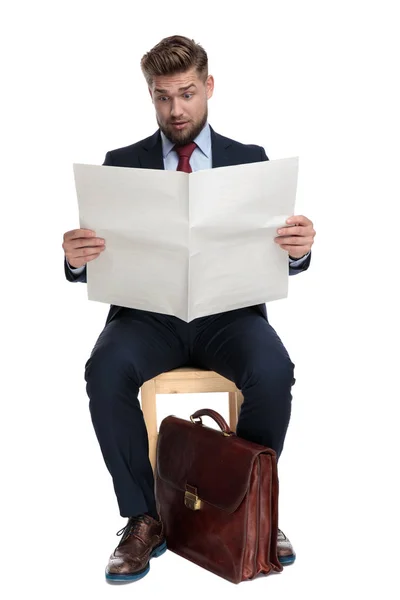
176	108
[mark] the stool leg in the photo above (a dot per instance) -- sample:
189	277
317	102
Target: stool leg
149	409
235	402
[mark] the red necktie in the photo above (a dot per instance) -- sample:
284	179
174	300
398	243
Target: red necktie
184	153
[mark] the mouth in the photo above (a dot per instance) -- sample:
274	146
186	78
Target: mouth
180	125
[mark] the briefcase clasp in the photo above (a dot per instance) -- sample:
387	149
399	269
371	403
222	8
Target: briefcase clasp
192	500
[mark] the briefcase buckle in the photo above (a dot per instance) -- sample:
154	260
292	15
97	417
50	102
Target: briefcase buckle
192	500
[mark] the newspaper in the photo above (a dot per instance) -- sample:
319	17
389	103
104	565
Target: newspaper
188	244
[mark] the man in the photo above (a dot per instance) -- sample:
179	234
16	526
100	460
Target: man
137	345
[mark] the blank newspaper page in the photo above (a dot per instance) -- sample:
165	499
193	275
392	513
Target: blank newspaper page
234	215
143	214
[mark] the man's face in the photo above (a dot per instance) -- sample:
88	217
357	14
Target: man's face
181	104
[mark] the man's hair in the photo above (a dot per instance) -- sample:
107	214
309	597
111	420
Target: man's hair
175	54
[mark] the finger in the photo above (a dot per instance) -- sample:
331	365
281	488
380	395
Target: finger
295	230
291	249
92	257
84	252
81	262
78	233
293	241
82	243
299	220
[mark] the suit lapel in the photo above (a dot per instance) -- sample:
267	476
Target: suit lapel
219	146
150	154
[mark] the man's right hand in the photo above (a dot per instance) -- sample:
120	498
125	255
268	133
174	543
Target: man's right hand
81	246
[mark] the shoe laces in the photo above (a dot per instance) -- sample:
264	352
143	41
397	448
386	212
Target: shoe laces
133	526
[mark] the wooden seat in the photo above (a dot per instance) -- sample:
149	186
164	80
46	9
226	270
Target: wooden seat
185	380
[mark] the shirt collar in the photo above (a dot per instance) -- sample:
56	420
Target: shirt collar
203	141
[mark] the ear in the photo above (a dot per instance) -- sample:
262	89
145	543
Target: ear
209	86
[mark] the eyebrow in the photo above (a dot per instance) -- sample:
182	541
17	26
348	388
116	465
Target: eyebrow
181	89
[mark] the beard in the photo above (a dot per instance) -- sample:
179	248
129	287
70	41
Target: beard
181	138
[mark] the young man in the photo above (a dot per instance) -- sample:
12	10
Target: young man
137	345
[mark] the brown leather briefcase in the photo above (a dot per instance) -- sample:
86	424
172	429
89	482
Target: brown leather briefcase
217	495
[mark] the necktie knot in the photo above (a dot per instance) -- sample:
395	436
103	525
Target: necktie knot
186	150
184	153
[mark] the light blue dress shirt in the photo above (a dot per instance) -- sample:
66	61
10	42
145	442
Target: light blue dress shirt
201	158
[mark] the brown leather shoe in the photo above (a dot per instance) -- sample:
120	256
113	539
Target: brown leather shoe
286	554
142	539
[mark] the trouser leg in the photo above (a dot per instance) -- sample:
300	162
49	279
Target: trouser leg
132	348
242	346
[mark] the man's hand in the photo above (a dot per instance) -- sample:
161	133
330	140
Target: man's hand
81	246
297	239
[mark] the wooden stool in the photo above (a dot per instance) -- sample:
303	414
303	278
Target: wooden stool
185	380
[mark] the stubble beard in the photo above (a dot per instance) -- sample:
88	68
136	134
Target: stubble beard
181	138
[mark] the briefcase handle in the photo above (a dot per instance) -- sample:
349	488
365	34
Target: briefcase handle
208	412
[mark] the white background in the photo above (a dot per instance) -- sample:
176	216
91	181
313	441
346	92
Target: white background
316	80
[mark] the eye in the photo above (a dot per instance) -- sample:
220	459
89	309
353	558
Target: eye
162	98
187	95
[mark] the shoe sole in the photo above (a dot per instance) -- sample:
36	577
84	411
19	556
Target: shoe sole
287	560
117	578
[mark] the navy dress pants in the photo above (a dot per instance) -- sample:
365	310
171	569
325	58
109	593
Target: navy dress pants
137	345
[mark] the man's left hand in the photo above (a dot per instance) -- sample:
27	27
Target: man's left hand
297	239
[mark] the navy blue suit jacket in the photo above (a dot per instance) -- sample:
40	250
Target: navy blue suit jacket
147	154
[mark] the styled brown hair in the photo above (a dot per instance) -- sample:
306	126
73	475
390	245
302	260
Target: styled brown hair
175	54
